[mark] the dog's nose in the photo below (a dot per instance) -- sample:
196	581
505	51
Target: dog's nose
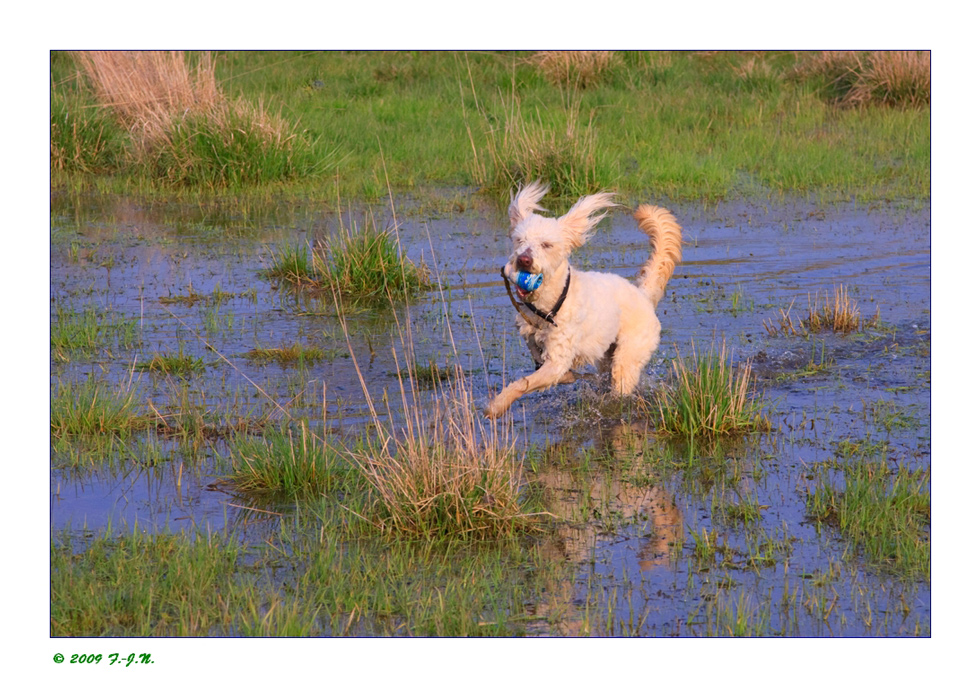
524	262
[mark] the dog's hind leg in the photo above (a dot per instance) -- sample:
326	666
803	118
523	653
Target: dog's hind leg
632	352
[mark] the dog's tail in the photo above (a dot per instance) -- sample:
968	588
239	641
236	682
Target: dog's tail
665	239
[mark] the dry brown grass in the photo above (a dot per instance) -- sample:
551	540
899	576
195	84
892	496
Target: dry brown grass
580	68
840	316
898	78
446	476
164	102
441	472
147	89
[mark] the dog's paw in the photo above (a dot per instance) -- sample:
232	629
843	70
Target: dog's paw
495	408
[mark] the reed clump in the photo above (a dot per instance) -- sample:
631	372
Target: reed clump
286	464
181	127
445	476
363	265
897	78
578	68
710	396
840	316
92	409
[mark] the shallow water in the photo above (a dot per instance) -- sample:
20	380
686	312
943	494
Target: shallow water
742	263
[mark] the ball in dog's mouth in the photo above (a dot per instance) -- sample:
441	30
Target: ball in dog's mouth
527	282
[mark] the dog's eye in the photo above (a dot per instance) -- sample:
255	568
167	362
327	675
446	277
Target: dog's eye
546	246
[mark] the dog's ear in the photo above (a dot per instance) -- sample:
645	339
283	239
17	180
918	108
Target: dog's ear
579	222
526	202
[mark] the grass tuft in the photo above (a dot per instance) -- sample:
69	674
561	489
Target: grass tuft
710	397
556	147
286	466
897	78
884	510
446	476
364	265
578	68
90	409
183	130
840	316
176	364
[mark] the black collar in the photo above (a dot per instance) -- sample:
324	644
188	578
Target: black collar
548	316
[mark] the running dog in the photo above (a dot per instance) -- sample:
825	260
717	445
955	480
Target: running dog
573	318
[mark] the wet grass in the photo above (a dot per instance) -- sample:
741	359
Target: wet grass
419	520
361	264
174	364
90	408
445	475
366	265
89	332
840	316
282	465
709	396
135	584
882	508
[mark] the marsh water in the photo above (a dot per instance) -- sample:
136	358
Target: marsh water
190	280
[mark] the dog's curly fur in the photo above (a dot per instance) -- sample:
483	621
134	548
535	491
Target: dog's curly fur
605	319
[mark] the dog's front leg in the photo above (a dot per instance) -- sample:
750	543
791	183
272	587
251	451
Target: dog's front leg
549	374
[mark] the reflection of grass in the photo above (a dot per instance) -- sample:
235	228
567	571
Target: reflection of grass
710	397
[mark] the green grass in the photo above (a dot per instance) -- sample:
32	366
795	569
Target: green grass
367	264
883	509
90	408
312	581
88	332
363	265
174	364
690	125
292	264
708	396
147	585
285	465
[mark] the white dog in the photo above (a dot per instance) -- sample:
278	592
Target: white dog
578	318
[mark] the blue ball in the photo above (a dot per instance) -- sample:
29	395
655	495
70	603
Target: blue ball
528	281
